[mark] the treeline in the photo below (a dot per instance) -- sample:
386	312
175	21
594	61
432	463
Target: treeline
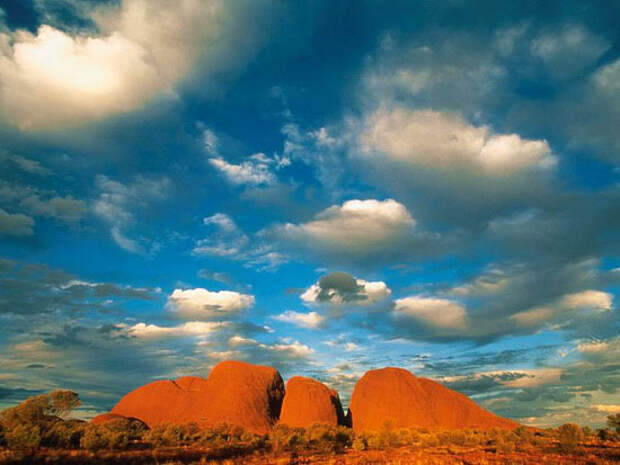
39	422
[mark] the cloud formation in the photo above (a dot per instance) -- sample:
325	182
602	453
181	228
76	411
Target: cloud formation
340	288
444	141
207	305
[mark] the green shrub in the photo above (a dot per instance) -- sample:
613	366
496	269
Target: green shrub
100	436
63	434
613	422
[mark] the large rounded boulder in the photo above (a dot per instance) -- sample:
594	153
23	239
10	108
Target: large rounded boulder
236	393
308	401
396	396
244	394
166	402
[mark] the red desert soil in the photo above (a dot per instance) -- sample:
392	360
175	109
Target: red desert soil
308	401
397	396
238	393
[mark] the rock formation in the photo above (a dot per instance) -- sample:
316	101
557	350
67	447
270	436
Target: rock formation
107	418
165	402
395	395
237	393
246	395
308	401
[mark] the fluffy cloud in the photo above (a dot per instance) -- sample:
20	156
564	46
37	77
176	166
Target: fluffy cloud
343	289
192	328
15	224
444	141
360	231
438	313
304	320
142	49
204	304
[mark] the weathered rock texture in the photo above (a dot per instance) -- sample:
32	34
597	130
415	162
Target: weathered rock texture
395	395
308	401
237	393
246	395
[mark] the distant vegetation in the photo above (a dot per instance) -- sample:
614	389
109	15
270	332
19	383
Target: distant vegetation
40	424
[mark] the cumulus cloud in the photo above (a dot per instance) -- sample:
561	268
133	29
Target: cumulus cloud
15	224
444	141
438	313
142	49
343	289
359	231
117	203
304	320
207	305
191	328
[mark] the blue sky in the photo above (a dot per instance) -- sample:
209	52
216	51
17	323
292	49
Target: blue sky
325	187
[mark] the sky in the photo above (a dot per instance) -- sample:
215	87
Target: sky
326	187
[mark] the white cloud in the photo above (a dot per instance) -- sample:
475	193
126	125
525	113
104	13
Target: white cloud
226	239
533	317
305	320
587	300
256	171
295	349
236	341
444	141
439	313
356	225
365	292
117	202
204	304
191	328
15	224
142	49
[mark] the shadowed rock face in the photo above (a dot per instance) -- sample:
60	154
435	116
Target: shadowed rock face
246	395
308	401
237	393
395	395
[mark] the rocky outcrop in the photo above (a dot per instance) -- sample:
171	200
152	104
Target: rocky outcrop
246	395
396	396
236	393
308	401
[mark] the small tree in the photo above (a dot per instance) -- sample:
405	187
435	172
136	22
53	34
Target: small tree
569	436
613	422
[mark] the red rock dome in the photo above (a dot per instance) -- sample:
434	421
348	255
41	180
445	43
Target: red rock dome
397	396
308	401
236	393
246	395
164	402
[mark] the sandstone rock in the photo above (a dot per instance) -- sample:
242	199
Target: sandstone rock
236	393
308	401
246	395
395	395
164	402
